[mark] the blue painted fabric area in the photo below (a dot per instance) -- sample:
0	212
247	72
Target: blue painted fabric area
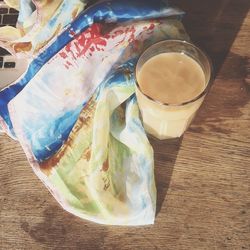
124	74
51	137
127	10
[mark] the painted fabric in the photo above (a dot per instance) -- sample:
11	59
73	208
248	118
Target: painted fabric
75	113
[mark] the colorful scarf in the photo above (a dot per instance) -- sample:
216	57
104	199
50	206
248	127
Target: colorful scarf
74	111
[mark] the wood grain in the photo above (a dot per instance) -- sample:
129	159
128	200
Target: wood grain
202	179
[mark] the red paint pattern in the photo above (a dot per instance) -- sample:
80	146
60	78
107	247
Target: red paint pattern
91	40
63	54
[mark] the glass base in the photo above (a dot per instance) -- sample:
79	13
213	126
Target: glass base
153	137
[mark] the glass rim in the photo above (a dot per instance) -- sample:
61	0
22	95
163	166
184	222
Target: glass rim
208	83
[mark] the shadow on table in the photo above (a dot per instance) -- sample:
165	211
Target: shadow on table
165	154
213	25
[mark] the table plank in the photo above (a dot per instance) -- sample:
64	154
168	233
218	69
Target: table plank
202	179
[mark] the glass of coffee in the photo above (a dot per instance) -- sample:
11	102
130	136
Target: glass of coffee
172	80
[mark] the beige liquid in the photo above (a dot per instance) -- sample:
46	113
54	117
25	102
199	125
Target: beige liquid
170	78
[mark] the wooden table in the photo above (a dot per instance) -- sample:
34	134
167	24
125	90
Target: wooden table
203	179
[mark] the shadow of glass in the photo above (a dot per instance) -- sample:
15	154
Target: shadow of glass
165	154
214	25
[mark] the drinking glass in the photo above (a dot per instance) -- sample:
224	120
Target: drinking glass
163	120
